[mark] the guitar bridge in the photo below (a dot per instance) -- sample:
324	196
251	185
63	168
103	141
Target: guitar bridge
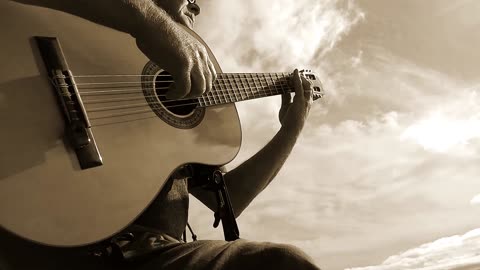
77	126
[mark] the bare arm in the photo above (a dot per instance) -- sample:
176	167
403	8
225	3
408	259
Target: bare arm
157	35
123	15
250	178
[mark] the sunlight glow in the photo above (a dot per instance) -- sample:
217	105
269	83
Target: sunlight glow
439	133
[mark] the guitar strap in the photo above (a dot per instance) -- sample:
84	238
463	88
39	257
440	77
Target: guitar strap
211	178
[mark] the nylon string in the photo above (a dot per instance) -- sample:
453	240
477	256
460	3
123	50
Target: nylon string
263	85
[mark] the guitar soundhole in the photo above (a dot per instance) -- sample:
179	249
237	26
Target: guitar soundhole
184	114
179	107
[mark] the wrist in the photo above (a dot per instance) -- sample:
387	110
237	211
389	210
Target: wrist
292	126
290	131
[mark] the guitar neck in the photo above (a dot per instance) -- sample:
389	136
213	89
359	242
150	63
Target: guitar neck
235	87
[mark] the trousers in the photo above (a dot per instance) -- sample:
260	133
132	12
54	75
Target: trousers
16	254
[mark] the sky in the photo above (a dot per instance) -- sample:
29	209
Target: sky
385	173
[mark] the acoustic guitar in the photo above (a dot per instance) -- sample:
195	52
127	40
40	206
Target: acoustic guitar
86	146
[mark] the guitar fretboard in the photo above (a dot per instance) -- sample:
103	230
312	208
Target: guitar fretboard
235	87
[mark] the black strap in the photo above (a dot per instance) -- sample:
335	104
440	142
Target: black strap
211	178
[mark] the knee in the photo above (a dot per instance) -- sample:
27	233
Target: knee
281	256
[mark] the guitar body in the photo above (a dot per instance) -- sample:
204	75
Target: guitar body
45	196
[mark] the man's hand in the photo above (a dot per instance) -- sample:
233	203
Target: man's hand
184	57
293	114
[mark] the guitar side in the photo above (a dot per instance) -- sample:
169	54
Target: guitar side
44	195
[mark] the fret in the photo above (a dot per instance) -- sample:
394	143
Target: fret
259	76
218	93
208	102
222	97
238	83
235	79
199	99
245	86
263	82
216	99
267	85
227	91
273	86
278	84
231	81
259	89
250	84
232	88
249	87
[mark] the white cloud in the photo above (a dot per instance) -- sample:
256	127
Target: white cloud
263	36
449	253
475	200
438	132
449	124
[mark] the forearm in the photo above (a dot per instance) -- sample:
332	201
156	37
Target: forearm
124	15
247	180
252	176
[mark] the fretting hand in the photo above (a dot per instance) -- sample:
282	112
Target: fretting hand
293	114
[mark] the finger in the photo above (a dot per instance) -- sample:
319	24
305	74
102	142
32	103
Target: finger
208	81
181	86
297	84
307	86
286	99
213	72
198	82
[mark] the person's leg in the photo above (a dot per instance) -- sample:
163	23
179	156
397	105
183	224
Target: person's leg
221	255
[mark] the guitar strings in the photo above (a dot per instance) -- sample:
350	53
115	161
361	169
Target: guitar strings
168	75
149	110
271	87
214	94
230	92
193	102
240	80
125	91
106	90
227	98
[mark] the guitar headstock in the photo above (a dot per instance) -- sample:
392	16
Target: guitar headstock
318	91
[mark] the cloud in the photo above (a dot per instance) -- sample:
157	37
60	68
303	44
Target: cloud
448	125
264	36
475	200
449	253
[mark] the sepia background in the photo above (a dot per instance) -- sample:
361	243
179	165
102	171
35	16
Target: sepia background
386	172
